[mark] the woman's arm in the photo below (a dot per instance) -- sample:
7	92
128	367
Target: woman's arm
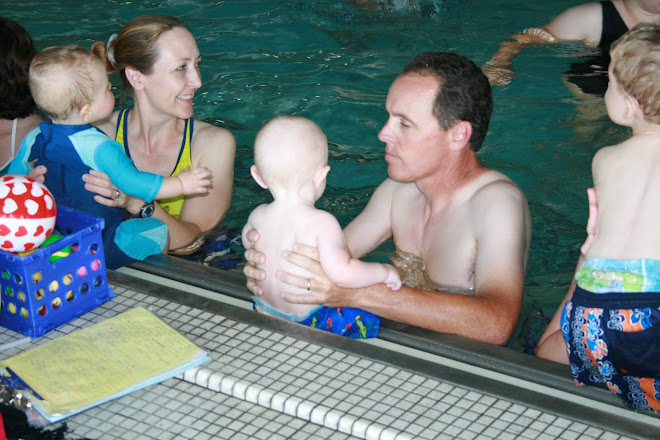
578	23
214	148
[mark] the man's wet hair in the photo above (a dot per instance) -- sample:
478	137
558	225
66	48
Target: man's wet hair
464	93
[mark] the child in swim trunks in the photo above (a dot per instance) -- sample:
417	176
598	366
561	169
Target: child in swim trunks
291	160
610	321
71	85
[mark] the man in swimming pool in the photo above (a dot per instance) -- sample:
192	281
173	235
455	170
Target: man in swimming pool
596	24
464	227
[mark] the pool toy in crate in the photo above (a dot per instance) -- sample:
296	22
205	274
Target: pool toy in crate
54	284
27	213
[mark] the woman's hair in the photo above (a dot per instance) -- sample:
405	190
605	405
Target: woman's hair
16	52
636	63
135	45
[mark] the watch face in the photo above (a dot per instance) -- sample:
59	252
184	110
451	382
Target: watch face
147	210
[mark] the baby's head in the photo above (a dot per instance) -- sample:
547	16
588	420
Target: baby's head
70	83
635	65
289	151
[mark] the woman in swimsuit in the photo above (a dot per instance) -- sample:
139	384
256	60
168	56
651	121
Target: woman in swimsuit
17	116
596	24
158	61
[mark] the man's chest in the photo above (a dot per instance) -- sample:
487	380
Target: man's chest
445	241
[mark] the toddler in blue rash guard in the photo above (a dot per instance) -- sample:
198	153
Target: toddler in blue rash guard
609	324
291	160
71	85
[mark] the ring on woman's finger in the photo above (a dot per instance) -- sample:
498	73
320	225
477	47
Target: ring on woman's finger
309	285
116	197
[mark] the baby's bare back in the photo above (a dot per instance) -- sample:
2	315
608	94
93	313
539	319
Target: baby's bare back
280	226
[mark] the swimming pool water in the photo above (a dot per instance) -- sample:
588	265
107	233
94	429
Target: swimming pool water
333	61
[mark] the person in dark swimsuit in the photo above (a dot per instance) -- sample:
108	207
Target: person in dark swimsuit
596	24
590	75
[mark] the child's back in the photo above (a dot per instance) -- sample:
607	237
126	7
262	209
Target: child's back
610	322
627	182
281	224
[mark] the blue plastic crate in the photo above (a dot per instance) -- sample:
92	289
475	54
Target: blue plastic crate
39	294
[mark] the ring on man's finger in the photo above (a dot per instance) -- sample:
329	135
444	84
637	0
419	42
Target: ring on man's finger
116	197
309	285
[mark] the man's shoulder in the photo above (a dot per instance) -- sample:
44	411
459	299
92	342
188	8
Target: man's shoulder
495	181
496	188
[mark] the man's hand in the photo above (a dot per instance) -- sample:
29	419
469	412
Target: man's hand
254	257
322	290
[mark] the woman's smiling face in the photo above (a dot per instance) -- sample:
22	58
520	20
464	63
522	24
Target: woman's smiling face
175	76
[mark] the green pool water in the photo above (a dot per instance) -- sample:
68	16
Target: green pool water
333	61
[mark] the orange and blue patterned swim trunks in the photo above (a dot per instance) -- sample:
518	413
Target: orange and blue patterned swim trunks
612	329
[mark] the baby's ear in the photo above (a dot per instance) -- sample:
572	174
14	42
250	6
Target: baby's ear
257	177
320	175
85	112
632	107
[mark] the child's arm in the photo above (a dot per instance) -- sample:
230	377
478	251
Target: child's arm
187	182
344	270
20	164
109	157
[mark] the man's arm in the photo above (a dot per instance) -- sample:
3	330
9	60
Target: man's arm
579	23
373	225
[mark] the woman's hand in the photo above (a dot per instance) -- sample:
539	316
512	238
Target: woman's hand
108	194
254	258
591	223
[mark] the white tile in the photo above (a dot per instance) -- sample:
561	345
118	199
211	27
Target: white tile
346	423
239	388
265	397
227	384
318	415
305	409
388	434
252	393
332	419
373	431
291	405
277	402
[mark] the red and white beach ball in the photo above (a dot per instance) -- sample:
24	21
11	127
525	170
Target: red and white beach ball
27	213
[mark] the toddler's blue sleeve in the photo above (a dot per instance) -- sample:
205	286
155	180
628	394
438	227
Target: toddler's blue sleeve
111	159
20	164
